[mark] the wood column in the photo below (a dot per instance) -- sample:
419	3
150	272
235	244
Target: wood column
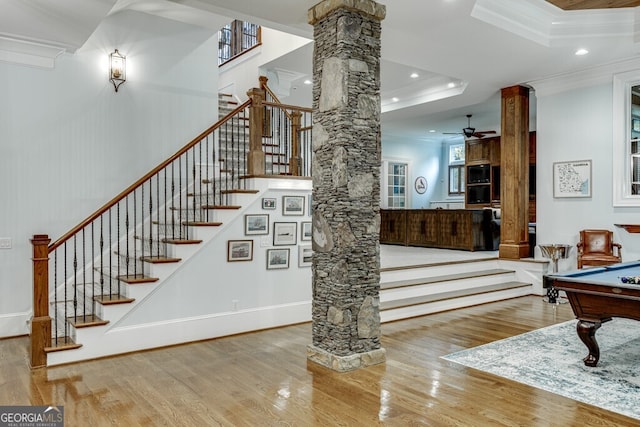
40	321
514	159
255	157
294	160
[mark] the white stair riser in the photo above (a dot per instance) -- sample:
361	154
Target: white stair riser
138	291
240	199
438	287
450	304
436	270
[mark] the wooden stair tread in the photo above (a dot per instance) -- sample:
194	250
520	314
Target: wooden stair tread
305	178
223	207
136	278
445	278
441	296
86	321
182	241
159	259
240	191
434	264
60	344
112	299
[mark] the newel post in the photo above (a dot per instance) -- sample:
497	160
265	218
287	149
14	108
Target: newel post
255	157
40	321
294	160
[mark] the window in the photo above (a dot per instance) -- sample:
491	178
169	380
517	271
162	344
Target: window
626	139
236	38
456	180
397	185
456	154
456	170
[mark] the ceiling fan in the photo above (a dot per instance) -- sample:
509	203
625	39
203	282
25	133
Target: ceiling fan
470	132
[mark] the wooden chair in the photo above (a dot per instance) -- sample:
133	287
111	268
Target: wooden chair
596	247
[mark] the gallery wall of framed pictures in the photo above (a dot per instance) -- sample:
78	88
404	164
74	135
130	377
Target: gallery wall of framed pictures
279	230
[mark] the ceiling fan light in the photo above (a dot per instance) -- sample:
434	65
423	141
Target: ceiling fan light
468	132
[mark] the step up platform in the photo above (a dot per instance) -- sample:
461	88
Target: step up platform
425	289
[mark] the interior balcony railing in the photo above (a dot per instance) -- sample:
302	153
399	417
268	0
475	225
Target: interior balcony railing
88	266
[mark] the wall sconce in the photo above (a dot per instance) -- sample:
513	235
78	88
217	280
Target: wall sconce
117	69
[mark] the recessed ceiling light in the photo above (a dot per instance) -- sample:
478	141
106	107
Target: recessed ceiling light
414	75
432	131
451	85
581	52
394	99
307	82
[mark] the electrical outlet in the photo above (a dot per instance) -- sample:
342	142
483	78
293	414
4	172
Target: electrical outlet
5	242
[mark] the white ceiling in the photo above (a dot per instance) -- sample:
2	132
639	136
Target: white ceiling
479	45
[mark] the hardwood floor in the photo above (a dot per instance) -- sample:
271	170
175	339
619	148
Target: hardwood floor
264	379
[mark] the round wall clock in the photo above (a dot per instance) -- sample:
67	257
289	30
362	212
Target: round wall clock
420	185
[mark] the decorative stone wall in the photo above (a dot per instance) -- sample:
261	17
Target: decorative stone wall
346	184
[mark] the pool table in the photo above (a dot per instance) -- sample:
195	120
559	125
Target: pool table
598	294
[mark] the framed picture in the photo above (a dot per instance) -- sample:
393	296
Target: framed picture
268	203
277	258
572	179
239	250
305	231
256	224
285	233
635	124
420	185
305	254
292	205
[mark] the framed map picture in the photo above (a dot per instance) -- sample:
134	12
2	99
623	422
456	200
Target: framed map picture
572	179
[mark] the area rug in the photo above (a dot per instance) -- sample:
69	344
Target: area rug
551	359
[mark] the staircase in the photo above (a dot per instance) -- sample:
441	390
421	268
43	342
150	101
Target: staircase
423	289
104	268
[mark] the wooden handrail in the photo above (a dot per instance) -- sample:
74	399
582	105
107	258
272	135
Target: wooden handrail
287	107
146	177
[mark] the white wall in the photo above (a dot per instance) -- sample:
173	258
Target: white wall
69	143
241	74
426	159
210	286
574	122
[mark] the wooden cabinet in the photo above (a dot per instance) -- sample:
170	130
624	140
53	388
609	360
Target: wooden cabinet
422	227
482	168
481	158
437	228
393	226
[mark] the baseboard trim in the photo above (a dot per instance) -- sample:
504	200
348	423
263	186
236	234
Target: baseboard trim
14	324
121	340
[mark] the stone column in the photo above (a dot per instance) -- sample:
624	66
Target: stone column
514	158
346	184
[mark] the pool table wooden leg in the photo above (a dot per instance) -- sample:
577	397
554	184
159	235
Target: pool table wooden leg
587	333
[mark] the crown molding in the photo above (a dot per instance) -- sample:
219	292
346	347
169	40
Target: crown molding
28	52
548	25
585	78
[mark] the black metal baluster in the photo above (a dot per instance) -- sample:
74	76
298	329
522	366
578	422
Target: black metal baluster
119	254
135	225
173	202
55	297
75	278
101	249
151	212
193	180
126	230
66	297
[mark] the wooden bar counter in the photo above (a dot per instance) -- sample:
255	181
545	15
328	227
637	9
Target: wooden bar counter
462	229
